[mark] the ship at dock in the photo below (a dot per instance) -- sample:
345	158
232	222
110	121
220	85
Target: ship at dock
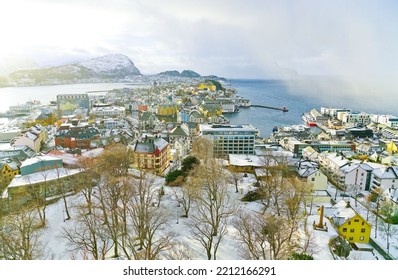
308	119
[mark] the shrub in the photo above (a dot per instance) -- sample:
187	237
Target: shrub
251	196
300	256
340	246
173	175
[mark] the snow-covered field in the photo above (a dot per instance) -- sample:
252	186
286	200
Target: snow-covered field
58	247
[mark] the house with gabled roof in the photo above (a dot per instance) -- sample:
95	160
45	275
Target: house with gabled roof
348	223
152	153
147	120
309	171
178	132
9	168
33	138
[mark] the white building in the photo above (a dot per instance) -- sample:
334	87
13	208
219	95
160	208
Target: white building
356	118
33	138
106	112
384	178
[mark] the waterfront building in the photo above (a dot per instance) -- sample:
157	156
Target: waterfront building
68	103
318	117
356	118
210	109
333	112
230	139
392	122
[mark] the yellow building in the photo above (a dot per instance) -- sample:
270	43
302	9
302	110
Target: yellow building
210	110
204	86
152	154
9	168
392	148
167	110
348	223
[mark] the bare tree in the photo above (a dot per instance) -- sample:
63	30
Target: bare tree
213	207
20	237
179	251
277	233
108	198
187	193
88	237
262	236
253	243
37	198
386	227
64	186
146	235
87	179
115	160
235	178
202	148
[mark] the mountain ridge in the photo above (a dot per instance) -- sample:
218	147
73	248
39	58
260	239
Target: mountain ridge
106	68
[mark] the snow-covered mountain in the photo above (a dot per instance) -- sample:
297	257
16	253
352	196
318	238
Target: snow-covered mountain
111	64
107	68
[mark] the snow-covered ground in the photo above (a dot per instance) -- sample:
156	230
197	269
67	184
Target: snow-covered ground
228	250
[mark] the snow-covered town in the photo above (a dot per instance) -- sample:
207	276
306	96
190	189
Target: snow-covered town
158	172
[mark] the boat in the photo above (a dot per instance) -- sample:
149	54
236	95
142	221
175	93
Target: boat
310	121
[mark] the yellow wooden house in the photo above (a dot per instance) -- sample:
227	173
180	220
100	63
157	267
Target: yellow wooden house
348	223
8	168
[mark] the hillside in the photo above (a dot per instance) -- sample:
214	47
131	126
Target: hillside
108	68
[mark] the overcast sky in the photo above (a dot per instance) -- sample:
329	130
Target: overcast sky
235	39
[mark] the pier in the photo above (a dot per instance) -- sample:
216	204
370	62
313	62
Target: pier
283	109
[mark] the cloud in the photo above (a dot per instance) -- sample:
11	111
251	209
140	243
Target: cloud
248	39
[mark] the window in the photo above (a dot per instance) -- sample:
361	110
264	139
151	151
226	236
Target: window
349	222
352	230
363	223
351	238
356	220
344	229
363	229
361	238
312	179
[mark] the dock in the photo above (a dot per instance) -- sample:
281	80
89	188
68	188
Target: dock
283	109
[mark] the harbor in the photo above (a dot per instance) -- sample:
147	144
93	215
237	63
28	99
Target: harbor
283	109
